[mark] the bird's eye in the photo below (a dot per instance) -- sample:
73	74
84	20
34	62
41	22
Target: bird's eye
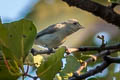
75	23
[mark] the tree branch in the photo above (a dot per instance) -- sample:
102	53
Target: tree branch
113	5
95	48
98	69
36	52
104	12
112	59
81	49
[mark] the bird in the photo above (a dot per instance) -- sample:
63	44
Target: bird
55	35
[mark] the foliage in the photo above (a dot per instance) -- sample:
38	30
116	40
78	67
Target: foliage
68	70
5	74
51	66
16	39
114	1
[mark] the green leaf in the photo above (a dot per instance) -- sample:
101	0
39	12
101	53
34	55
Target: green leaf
0	51
71	66
17	37
57	77
51	66
4	73
29	60
114	1
116	75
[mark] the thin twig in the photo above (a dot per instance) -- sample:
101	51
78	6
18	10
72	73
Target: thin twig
26	70
34	78
96	48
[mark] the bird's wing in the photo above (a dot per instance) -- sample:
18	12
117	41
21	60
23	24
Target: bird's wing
49	30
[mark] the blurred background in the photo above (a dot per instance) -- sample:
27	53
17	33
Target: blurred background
47	12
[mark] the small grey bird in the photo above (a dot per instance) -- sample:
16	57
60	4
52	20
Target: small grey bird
55	35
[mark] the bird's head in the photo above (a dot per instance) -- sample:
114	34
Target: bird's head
73	24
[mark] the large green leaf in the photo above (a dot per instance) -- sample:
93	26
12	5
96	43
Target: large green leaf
4	73
71	66
17	37
51	66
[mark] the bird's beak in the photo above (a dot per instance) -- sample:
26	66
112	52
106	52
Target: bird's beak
81	27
